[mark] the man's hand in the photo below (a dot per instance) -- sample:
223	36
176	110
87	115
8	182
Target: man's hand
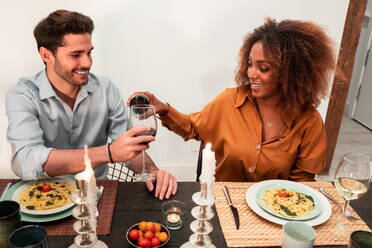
128	145
166	184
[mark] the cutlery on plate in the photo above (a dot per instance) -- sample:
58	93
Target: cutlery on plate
234	210
99	194
345	211
4	191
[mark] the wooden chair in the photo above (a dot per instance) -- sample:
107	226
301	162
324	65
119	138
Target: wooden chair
200	161
119	171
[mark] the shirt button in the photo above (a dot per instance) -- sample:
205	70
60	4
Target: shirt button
258	147
250	169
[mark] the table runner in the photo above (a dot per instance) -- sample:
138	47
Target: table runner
259	232
105	207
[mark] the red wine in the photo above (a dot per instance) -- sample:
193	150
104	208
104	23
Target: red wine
151	132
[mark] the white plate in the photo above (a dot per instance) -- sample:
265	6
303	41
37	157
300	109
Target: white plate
250	197
16	197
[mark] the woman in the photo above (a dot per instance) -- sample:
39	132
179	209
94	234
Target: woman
268	126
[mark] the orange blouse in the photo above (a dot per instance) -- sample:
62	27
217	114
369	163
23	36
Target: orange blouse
232	125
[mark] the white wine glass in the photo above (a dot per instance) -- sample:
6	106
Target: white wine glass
143	115
352	179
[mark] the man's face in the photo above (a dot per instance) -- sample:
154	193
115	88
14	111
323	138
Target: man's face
71	62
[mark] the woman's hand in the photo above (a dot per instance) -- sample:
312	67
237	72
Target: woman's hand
160	107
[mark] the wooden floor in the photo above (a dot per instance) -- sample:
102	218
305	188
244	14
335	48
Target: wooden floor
353	137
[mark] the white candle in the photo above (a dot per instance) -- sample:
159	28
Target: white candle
173	218
88	176
208	164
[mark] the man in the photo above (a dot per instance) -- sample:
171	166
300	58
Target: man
55	112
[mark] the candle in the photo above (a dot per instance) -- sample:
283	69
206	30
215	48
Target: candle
88	177
208	164
173	218
88	173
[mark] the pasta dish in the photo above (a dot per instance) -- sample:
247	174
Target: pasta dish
288	203
47	195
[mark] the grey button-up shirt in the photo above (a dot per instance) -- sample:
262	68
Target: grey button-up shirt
40	121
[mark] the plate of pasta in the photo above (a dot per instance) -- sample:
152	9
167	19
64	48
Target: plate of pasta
288	201
45	197
314	208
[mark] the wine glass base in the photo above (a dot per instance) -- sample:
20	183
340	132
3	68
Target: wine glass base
143	177
341	229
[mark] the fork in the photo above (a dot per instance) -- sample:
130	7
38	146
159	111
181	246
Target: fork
5	190
345	211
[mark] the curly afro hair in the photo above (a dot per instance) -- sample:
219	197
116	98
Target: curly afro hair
303	55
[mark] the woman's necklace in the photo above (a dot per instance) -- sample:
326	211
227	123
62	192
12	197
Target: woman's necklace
269	123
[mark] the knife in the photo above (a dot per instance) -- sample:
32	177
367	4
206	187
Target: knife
234	211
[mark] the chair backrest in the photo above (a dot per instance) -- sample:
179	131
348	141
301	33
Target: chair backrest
200	161
119	171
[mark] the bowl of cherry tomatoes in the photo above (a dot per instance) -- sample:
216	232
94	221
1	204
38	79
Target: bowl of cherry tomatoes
148	234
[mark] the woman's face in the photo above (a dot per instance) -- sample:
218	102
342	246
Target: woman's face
262	74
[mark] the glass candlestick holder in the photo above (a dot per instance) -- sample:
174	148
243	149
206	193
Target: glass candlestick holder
85	213
203	213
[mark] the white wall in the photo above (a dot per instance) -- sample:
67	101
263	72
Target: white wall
183	51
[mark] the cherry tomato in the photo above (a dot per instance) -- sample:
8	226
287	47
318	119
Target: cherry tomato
46	188
155	242
134	234
282	194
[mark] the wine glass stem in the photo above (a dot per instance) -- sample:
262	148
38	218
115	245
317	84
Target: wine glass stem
143	162
344	209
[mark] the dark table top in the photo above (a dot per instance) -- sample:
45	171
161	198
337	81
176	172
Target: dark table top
134	203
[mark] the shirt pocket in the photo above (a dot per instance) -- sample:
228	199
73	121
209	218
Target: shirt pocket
282	154
289	144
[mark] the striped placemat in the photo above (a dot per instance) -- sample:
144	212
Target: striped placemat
106	208
255	231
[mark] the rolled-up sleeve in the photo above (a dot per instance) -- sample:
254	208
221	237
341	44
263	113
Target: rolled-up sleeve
25	135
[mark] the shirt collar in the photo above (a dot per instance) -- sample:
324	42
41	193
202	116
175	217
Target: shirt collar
46	90
243	95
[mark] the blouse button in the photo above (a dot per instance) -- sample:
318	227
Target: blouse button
258	147
250	169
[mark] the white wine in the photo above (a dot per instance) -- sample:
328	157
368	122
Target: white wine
350	188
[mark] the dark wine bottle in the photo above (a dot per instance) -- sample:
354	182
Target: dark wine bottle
139	100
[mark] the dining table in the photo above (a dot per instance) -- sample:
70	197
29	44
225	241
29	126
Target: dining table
134	203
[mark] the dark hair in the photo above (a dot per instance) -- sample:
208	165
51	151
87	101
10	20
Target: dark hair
303	55
50	31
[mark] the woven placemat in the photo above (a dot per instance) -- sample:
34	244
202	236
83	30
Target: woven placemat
106	208
259	232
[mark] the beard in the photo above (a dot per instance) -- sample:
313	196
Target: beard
70	76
